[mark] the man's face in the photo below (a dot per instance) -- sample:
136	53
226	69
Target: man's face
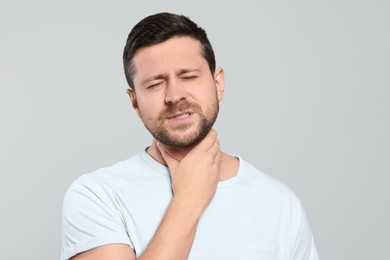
176	96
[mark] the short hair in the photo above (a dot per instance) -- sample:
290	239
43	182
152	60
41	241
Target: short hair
158	28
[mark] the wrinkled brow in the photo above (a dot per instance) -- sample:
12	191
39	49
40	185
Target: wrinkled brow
154	77
165	75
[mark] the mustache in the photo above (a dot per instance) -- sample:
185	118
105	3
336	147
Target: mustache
179	107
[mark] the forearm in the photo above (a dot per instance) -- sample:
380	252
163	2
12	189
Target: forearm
194	182
175	235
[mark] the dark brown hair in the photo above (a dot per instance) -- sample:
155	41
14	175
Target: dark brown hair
158	28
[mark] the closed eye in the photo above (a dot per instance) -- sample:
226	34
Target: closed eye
189	77
153	85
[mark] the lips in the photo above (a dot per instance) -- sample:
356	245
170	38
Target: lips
180	115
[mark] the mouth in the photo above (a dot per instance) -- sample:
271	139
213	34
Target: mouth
181	115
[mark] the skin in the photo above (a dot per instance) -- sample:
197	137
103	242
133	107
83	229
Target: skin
168	75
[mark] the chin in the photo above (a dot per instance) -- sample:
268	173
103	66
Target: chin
184	141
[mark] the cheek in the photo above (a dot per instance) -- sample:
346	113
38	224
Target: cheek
148	110
203	89
208	95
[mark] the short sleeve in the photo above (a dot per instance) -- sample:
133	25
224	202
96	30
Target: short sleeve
302	241
90	218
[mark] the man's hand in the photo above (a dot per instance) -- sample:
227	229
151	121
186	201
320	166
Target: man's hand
196	176
194	183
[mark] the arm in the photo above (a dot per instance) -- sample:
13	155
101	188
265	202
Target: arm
194	183
112	252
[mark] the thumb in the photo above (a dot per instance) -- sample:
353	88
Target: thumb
171	162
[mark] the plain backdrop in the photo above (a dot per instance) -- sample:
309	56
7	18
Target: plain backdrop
306	101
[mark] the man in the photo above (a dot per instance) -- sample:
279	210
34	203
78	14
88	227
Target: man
181	198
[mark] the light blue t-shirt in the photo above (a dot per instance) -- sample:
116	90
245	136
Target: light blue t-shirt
251	216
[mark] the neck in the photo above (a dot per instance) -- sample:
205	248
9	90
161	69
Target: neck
177	153
229	166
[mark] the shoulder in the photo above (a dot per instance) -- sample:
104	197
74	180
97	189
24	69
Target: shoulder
276	195
91	214
264	183
98	184
105	176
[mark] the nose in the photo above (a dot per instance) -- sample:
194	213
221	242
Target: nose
175	92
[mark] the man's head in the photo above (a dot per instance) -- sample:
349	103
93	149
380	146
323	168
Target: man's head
158	28
175	88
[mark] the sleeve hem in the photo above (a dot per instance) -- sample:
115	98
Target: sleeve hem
93	243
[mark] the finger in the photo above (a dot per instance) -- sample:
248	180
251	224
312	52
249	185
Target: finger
213	142
208	141
215	149
171	162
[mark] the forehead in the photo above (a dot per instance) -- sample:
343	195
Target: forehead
176	53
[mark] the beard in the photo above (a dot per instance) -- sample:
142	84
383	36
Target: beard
181	135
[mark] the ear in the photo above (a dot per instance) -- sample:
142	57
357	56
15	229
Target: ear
219	80
133	99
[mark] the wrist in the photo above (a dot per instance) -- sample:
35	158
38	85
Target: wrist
190	207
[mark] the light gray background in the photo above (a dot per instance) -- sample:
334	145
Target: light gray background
307	101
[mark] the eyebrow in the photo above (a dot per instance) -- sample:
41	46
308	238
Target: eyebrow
184	71
165	75
154	77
